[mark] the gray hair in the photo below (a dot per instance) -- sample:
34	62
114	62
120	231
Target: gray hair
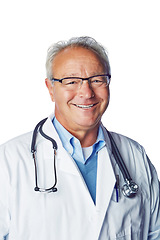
85	42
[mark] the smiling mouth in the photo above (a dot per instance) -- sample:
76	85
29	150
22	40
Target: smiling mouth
85	106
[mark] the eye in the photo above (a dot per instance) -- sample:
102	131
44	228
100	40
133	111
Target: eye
97	81
70	81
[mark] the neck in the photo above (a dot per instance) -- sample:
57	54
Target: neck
86	137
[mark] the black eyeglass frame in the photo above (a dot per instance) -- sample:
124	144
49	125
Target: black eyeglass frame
83	79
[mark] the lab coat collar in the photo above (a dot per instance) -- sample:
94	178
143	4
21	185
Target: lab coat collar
66	164
49	130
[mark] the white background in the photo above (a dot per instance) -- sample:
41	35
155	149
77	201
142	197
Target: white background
130	30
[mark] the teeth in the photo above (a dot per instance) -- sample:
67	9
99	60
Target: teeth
85	106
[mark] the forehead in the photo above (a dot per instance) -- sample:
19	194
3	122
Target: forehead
76	57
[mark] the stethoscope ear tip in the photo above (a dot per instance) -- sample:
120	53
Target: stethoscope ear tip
54	189
36	189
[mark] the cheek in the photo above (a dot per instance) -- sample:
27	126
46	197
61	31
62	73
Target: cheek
108	97
62	97
104	95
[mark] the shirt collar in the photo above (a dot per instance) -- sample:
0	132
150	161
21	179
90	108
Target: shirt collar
70	143
64	135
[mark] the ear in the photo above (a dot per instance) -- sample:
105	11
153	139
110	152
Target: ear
50	87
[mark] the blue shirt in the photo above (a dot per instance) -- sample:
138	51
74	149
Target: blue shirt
85	158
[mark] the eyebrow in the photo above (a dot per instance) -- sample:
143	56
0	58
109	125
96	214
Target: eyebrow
77	74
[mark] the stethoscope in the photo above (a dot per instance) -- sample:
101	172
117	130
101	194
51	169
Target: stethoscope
129	189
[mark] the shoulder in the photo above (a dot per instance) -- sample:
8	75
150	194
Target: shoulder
133	153
19	142
124	141
13	154
135	157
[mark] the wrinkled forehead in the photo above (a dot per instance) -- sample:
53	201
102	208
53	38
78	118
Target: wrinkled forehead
77	57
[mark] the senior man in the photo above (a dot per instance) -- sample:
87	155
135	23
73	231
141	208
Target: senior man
64	181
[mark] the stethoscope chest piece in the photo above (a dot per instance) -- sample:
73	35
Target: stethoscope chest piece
130	189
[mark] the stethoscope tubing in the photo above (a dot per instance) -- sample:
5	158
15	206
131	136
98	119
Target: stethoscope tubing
119	159
33	151
129	189
33	144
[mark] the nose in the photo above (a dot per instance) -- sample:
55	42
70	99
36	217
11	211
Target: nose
86	90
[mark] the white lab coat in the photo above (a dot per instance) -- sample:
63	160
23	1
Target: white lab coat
69	213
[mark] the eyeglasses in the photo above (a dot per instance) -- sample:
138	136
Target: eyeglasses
74	83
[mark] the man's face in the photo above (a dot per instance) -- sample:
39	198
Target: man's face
81	109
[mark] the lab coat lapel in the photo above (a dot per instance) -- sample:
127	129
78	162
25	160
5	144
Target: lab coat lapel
65	162
105	184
